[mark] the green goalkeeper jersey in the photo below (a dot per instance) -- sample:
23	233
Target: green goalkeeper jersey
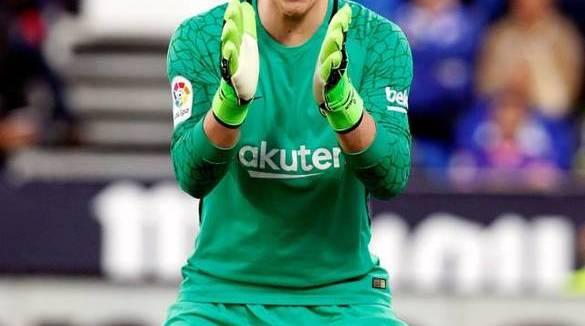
284	213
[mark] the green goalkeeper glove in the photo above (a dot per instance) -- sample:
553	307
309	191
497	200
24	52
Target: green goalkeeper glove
240	65
338	100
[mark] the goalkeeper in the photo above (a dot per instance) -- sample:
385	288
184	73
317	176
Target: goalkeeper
288	115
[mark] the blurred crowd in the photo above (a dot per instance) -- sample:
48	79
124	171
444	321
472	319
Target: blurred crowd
33	106
497	95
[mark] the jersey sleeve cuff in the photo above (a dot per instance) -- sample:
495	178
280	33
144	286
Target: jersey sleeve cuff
371	155
209	151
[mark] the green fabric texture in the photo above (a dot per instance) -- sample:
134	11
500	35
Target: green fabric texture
284	216
206	314
207	163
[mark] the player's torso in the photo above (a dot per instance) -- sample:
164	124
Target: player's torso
288	195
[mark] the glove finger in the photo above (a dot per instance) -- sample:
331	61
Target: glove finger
231	33
234	13
330	64
230	53
249	19
341	20
333	43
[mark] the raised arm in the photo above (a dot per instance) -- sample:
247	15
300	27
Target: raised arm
384	166
371	121
208	109
198	163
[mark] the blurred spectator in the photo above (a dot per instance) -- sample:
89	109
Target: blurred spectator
384	8
575	9
580	155
534	35
15	131
444	36
29	24
506	144
23	68
488	8
30	19
491	9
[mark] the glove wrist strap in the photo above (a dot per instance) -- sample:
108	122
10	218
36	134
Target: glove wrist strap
227	108
344	107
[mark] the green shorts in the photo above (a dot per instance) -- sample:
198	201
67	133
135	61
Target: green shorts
208	314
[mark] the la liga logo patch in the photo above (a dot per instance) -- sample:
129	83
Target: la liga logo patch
182	92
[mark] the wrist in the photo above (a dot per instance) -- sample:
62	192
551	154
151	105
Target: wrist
218	134
343	106
227	108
